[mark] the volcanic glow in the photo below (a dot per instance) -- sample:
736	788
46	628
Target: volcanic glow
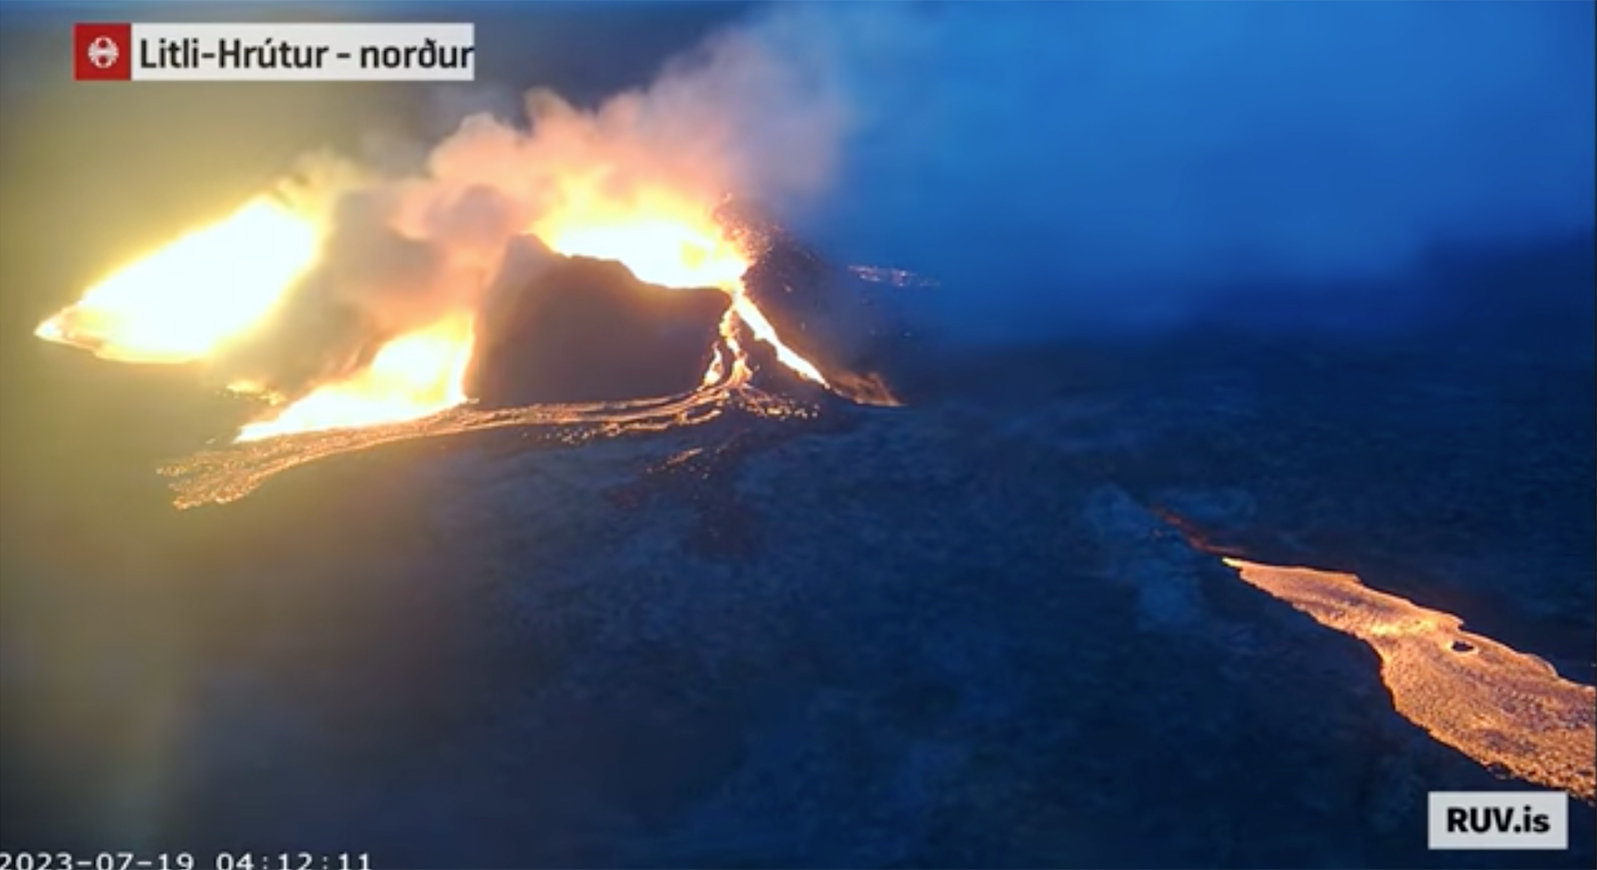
662	240
673	243
411	377
355	316
354	312
189	298
670	241
193	298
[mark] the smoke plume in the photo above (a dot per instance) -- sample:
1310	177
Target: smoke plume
735	117
1055	167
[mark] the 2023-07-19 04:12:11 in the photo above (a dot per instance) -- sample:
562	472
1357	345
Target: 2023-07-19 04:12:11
44	860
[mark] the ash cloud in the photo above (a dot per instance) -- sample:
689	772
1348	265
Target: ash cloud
1085	166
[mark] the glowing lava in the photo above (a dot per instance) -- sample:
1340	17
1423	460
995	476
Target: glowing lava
671	252
191	297
1499	706
414	376
764	331
668	241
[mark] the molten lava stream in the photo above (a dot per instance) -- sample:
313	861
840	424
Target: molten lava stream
416	375
1499	706
165	308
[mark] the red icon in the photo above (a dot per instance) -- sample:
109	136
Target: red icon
102	52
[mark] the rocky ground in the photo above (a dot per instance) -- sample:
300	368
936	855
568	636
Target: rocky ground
967	632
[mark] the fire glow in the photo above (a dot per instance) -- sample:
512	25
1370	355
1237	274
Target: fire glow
192	298
196	294
412	376
358	304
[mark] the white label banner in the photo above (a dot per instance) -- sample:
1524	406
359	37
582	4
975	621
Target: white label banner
1498	820
304	52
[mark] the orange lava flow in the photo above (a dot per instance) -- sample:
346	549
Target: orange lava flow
413	376
192	296
673	243
1505	709
196	296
